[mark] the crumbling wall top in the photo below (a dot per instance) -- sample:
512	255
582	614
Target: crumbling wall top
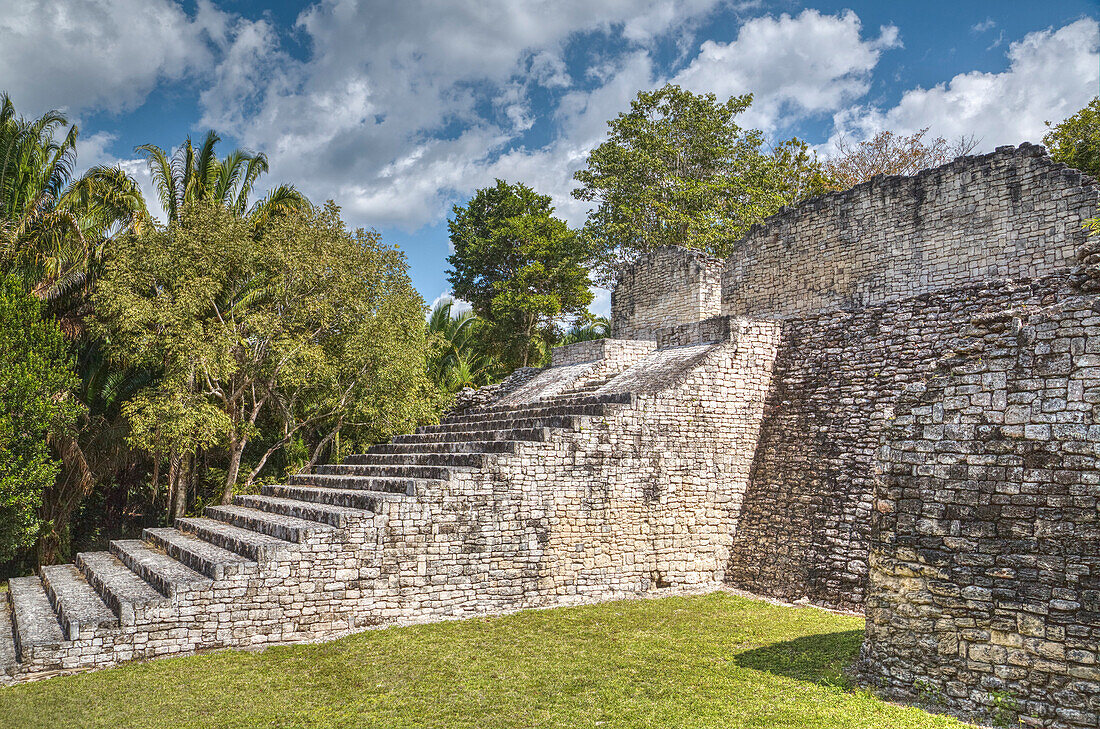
1013	214
664	288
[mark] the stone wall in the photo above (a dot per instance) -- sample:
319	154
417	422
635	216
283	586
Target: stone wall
1012	214
667	287
984	592
806	523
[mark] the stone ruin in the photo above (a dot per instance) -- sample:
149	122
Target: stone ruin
885	401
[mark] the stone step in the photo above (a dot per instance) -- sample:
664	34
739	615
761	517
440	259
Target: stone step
170	576
9	661
257	547
467	446
474	430
521	434
129	596
336	516
572	399
439	473
287	528
335	478
79	608
201	556
529	411
448	460
36	623
370	501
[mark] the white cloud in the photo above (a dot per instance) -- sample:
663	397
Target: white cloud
987	24
1051	74
406	107
458	306
106	54
795	66
601	304
389	116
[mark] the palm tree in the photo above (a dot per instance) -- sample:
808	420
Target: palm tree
54	233
54	228
195	174
459	361
597	328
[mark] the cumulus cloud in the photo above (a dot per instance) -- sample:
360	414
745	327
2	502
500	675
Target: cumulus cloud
396	113
102	54
404	106
458	306
1051	74
795	65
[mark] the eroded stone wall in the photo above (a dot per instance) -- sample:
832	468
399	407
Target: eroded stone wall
1012	214
806	523
984	591
667	287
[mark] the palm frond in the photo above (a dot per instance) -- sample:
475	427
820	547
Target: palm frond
279	200
162	171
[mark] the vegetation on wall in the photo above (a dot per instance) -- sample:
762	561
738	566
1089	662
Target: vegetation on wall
1076	140
888	153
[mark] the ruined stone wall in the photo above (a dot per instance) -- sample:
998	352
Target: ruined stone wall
667	287
984	592
1012	214
874	284
805	528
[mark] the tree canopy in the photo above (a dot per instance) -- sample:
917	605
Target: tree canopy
53	226
677	169
36	403
1076	140
311	327
520	268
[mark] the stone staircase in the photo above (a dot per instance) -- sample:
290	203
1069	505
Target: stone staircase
228	577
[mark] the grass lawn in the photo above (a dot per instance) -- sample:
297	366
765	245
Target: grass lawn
709	661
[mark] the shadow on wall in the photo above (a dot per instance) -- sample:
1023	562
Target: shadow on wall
819	659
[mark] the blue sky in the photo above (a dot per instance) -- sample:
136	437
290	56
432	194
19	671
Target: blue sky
398	110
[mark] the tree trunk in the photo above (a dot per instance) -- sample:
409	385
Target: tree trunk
236	450
333	435
156	477
173	487
60	501
179	503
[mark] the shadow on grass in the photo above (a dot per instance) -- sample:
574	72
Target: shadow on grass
819	659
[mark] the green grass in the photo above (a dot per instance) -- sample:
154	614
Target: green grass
709	661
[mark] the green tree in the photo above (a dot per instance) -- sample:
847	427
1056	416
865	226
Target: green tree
457	353
56	230
195	174
305	327
678	170
1076	140
36	404
520	268
53	226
